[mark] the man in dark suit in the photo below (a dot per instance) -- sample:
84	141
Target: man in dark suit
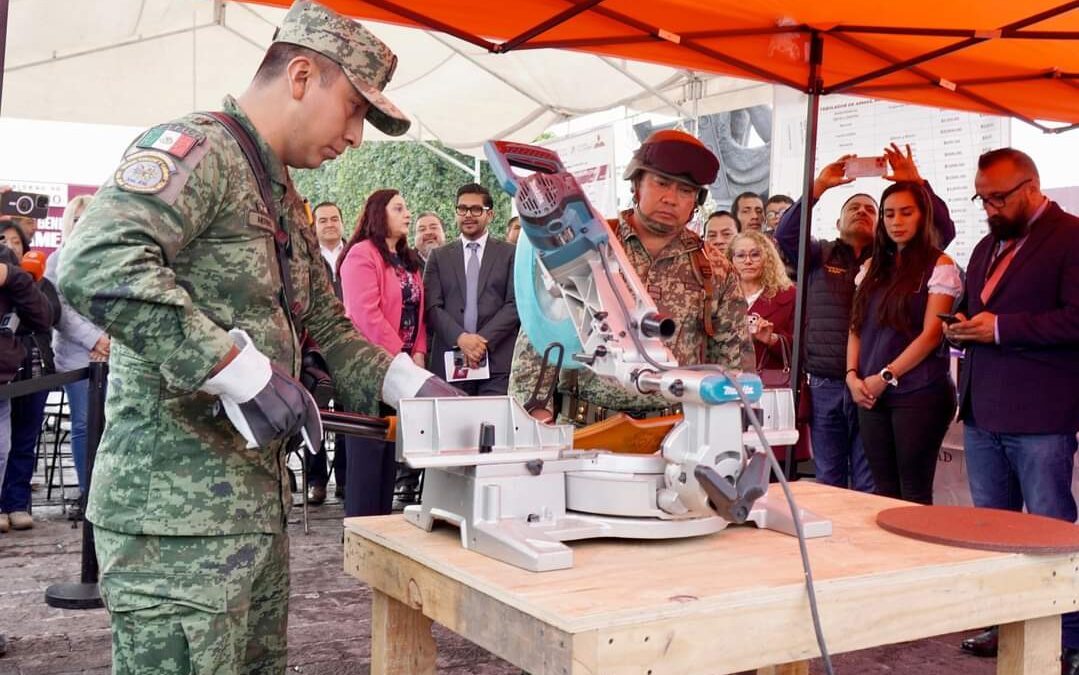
1019	398
329	230
469	296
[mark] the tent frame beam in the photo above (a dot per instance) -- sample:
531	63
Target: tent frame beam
645	86
1005	34
1003	79
692	42
544	26
937	81
978	38
433	23
107	47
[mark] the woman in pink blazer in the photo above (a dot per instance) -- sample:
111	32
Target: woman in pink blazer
381	283
382	290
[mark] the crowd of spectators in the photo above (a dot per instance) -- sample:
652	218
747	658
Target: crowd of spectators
878	379
877	370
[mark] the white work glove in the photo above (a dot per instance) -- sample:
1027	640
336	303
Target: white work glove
262	401
404	379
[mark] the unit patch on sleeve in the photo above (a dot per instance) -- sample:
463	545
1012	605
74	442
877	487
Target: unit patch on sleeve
145	173
175	139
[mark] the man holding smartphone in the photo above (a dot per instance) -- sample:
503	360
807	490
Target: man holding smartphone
1018	397
837	444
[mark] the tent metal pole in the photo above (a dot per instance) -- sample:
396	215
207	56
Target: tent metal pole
645	86
3	44
816	56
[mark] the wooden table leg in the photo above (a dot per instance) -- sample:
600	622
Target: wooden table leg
401	640
1030	647
793	668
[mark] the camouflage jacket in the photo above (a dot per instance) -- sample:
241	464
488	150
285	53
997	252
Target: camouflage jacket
677	288
176	249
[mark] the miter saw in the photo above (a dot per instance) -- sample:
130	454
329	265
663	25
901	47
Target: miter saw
515	486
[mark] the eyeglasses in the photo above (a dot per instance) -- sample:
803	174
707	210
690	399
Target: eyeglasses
743	256
476	210
999	199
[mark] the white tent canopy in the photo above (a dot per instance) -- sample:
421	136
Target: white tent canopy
137	62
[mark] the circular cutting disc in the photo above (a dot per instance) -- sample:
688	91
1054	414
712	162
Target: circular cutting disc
543	318
985	529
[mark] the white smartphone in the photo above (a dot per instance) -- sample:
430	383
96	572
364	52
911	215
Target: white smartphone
857	167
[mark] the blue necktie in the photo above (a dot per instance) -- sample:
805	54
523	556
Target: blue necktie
472	282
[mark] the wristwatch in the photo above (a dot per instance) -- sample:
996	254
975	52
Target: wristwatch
889	377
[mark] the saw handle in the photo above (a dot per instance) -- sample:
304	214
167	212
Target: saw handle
504	155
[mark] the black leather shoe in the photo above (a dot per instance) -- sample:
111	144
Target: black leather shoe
1069	662
317	495
983	644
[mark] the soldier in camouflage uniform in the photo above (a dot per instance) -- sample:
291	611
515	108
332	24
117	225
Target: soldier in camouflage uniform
694	286
177	260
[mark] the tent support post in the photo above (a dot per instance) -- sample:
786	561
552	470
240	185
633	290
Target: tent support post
3	43
815	85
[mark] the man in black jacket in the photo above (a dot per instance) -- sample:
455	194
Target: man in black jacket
21	303
837	444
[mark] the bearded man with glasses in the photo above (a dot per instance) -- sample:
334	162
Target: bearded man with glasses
1018	397
468	288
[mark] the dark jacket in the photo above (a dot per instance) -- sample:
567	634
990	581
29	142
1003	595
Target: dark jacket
780	311
23	297
1027	384
444	291
831	269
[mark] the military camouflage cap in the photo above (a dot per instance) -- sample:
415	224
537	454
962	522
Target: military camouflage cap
366	60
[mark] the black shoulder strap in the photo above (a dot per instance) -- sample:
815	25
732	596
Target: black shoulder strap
282	240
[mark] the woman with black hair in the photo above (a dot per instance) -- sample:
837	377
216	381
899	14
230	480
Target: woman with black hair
897	371
382	290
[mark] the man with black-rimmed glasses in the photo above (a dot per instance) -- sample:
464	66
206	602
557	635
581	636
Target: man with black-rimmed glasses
1019	327
469	299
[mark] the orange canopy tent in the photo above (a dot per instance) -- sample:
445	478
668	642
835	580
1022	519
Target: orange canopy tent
996	56
1019	59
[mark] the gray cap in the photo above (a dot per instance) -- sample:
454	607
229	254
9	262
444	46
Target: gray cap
367	61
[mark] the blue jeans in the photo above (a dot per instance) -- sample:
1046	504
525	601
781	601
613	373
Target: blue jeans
5	439
78	399
1007	470
27	414
837	445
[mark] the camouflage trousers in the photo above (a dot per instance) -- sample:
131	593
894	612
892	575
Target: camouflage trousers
195	605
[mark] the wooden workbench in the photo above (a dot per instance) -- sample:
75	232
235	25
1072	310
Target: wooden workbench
724	603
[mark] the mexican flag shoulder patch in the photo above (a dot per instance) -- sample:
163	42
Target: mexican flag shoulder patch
175	139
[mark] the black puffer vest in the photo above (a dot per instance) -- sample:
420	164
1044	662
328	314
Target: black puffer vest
828	306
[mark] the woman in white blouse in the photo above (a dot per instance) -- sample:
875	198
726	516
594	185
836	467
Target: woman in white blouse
897	370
